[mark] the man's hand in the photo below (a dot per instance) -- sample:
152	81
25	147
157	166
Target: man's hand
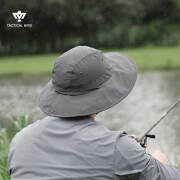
160	156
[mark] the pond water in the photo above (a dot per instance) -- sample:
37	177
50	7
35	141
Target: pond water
153	93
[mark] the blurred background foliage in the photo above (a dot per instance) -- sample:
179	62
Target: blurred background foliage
61	24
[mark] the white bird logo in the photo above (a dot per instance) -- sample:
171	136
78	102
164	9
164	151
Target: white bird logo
19	16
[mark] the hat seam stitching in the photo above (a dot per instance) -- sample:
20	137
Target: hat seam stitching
88	90
100	77
74	66
83	59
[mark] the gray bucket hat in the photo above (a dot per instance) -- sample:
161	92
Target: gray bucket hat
86	81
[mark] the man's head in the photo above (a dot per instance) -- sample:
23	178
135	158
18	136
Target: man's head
87	81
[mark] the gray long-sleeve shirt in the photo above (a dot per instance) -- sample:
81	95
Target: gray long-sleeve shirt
81	149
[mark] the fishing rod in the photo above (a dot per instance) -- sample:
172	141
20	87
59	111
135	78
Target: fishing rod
143	140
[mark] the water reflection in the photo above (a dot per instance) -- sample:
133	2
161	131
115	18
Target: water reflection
153	94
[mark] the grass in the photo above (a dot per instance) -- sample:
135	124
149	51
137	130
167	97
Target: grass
155	58
146	58
5	139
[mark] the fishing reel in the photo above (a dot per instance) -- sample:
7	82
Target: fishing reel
143	140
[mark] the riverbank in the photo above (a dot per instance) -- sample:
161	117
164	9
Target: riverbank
146	58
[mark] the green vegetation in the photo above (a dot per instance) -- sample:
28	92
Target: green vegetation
147	58
60	25
155	58
5	139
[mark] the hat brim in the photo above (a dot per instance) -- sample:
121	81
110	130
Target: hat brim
113	91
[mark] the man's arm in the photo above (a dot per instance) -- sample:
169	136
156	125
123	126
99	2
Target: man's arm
133	163
160	156
155	170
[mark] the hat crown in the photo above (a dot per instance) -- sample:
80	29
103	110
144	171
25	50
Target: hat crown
80	70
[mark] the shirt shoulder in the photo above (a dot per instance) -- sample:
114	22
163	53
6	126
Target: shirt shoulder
26	134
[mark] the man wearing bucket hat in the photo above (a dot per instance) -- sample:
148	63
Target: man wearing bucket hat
69	144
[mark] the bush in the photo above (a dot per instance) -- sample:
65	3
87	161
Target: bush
128	35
